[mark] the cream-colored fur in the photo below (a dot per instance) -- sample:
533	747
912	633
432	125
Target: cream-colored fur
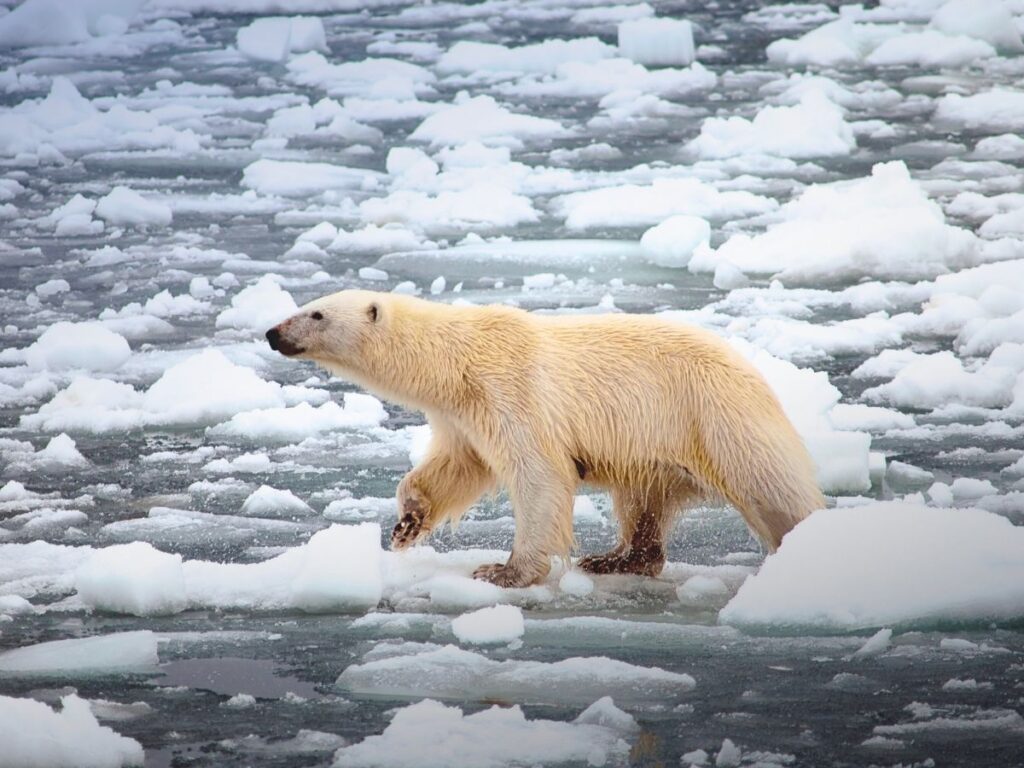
658	413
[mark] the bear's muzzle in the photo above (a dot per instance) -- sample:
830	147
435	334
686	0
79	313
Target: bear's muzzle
278	343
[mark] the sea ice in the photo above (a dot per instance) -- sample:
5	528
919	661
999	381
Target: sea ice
468	57
126	207
657	41
429	734
87	346
273	38
672	242
33	734
258	306
814	127
134	579
482	119
451	672
886	564
101	654
496	624
880	226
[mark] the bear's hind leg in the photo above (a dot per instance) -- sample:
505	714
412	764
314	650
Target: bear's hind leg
644	519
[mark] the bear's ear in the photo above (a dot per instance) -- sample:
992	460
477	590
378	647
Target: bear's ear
373	312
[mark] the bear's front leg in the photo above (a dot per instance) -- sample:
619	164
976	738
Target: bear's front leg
541	496
442	487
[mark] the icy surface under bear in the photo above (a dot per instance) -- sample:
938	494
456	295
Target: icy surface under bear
193	529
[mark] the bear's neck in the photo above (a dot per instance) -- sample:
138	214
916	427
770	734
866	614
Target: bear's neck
420	362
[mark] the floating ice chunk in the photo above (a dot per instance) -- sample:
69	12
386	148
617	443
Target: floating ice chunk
991	22
207	387
999	109
303	420
322	234
273	38
449	591
83	346
497	624
868	418
101	654
295	179
931	381
241	701
356	510
813	128
387	83
883	225
838	43
703	591
1009	224
71	124
431	735
971	488
451	672
1007	146
611	14
578	79
52	22
468	57
482	119
378	239
126	207
272	502
338	569
247	463
929	48
632	205
906	475
61	451
727	276
482	205
576	583
876	644
657	42
134	579
53	287
888	564
729	755
258	306
672	243
32	734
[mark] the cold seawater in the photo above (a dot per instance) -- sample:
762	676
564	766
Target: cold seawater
840	196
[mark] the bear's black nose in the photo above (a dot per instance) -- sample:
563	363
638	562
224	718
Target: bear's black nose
273	336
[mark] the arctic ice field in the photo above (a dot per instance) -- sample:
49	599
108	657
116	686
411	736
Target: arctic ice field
193	559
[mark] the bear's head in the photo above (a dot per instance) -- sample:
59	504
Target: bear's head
332	330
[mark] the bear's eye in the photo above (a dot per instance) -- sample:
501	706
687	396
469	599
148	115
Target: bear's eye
373	312
317	316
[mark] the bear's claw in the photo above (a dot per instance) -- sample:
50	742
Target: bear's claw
617	561
502	575
410	527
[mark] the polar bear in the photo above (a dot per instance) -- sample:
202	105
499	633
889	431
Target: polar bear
658	413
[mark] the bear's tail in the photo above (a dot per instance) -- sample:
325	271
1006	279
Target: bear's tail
751	454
